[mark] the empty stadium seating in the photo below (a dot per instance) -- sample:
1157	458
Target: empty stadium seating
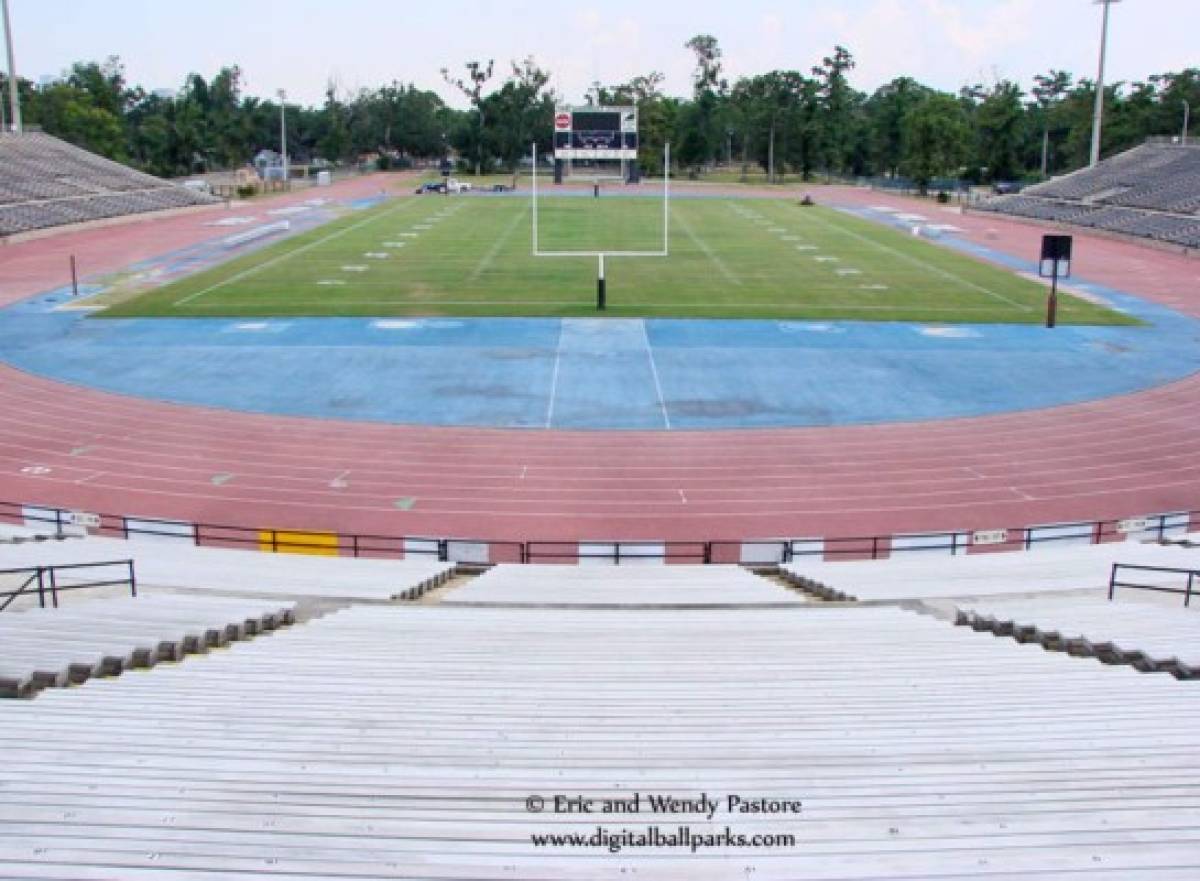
55	647
1151	637
178	563
1152	191
407	743
47	182
923	576
674	586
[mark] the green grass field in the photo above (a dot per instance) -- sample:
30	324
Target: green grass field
729	258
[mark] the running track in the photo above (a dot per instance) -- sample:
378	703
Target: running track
72	447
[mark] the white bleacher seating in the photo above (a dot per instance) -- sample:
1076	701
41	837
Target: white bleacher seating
47	182
55	647
683	585
925	576
1152	191
1152	637
405	742
181	564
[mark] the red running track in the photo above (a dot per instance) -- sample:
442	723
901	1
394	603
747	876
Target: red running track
1127	456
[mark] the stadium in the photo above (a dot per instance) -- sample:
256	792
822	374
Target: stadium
741	477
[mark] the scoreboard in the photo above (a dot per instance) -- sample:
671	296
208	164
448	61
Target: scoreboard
596	133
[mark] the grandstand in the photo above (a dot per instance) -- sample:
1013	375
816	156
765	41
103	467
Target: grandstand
46	182
434	741
1151	191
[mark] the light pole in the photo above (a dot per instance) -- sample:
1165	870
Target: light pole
1098	115
14	99
1187	118
283	136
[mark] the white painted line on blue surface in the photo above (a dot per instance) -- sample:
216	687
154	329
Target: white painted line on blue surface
554	378
654	372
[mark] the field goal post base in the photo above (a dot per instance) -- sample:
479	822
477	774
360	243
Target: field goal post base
601	284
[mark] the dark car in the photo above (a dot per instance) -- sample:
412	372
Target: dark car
1006	187
433	186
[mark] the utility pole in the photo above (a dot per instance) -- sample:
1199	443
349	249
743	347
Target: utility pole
283	137
1098	115
1187	118
14	97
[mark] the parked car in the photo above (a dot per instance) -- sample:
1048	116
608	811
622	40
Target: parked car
431	186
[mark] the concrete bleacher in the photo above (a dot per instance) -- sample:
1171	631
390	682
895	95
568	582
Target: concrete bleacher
621	586
918	576
405	742
1153	638
178	563
1151	191
46	182
47	647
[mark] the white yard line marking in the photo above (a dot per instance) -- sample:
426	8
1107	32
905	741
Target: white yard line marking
489	258
917	261
654	372
245	273
553	380
708	252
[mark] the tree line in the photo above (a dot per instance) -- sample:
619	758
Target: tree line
803	123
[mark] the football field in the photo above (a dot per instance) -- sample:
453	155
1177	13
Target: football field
729	258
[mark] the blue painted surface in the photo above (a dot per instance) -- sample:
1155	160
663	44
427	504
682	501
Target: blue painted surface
584	373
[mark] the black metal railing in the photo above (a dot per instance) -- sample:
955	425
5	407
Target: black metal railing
1191	579
50	581
485	550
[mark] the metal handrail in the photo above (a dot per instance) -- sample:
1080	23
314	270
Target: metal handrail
953	542
1192	575
46	579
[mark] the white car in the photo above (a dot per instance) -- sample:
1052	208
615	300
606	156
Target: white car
454	185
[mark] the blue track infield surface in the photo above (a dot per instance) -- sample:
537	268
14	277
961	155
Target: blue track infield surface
606	373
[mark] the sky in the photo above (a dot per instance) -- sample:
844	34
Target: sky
302	45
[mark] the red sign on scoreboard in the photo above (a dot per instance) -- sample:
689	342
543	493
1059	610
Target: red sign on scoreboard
562	122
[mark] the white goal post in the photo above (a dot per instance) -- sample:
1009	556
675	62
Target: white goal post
665	251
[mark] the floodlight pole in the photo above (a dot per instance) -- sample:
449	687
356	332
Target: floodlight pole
283	136
14	95
1098	113
1187	118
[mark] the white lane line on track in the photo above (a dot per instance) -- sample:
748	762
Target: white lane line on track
654	372
261	266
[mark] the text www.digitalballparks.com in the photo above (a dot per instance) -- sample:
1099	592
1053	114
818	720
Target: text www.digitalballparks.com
706	807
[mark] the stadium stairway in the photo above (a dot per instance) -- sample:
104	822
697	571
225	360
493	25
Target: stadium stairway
41	648
1152	638
431	743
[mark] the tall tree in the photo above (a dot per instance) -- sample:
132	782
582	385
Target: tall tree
936	139
1048	90
472	86
1001	126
